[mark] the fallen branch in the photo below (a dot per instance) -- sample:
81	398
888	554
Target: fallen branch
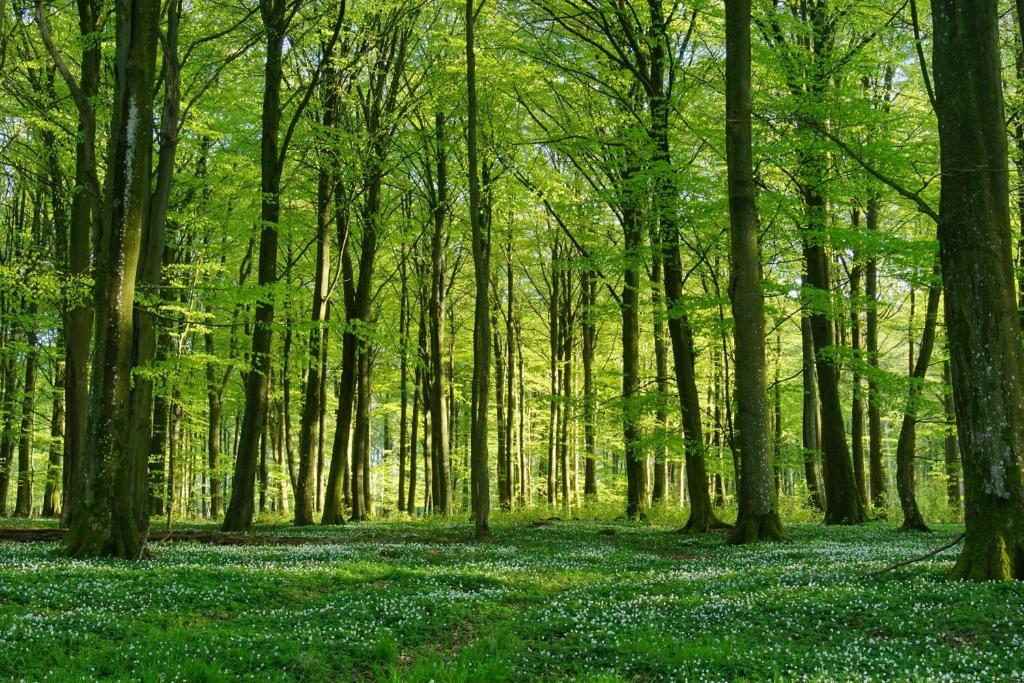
928	554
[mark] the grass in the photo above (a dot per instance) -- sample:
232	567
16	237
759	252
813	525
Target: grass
575	600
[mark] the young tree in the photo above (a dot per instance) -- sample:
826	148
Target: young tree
480	481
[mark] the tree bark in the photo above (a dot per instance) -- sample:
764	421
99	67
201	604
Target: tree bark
983	324
240	510
759	516
481	321
111	514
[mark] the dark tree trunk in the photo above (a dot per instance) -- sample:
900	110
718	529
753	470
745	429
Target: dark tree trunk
306	490
51	495
240	510
659	491
23	502
439	437
702	516
857	405
810	417
481	322
843	504
589	290
759	517
982	321
951	450
876	467
111	515
905	447
633	245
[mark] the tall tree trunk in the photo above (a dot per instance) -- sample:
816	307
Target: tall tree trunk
566	327
810	417
439	437
857	405
702	516
83	241
659	492
305	490
843	504
905	447
981	314
554	329
240	510
589	290
51	495
403	427
876	467
23	502
951	450
481	321
111	514
510	398
759	517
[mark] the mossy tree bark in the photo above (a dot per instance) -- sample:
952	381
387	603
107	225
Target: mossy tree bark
111	514
982	321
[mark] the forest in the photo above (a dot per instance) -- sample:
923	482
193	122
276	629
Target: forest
511	339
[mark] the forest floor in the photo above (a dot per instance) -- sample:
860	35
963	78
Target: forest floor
572	600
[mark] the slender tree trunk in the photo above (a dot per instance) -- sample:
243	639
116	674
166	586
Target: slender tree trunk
481	321
51	495
906	446
589	289
876	467
951	450
810	417
843	504
309	432
857	405
23	502
759	517
240	510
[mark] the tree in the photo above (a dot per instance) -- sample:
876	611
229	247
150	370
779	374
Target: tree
111	514
987	360
481	318
758	513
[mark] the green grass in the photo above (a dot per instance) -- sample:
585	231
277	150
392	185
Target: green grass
574	600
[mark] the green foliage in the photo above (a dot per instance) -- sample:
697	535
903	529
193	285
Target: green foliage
581	600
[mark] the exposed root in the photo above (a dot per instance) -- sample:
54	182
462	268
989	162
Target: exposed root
760	528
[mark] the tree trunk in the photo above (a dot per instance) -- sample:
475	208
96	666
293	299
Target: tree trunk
481	321
810	417
905	447
305	489
876	467
589	289
51	495
857	405
240	510
23	502
951	450
759	516
111	514
843	504
982	320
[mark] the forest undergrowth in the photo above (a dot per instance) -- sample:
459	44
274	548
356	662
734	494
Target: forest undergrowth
547	599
